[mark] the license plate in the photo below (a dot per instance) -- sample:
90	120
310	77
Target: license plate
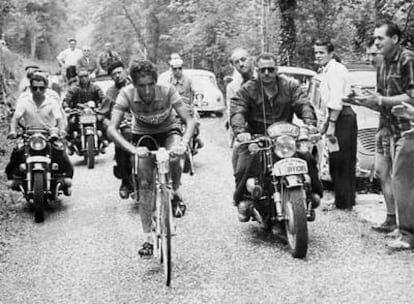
87	119
290	166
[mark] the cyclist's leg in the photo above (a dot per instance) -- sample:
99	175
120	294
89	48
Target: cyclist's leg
146	186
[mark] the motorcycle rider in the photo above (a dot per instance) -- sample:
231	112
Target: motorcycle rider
259	103
118	74
152	106
81	93
40	109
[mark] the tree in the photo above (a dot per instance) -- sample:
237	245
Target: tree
287	31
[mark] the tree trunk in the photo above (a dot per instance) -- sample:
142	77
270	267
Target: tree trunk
33	44
152	28
287	32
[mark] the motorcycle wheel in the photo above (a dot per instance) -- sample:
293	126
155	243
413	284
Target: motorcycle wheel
90	151
296	223
166	228
38	196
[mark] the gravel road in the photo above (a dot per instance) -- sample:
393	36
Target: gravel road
86	250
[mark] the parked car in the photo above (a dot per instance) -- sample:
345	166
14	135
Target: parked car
207	96
363	78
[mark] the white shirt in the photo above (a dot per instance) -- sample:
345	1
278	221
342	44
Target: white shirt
334	85
70	57
45	116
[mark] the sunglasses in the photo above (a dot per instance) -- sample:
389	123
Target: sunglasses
177	69
83	76
38	88
269	69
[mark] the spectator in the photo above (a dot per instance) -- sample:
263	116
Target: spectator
166	76
24	84
244	71
374	57
88	62
395	85
341	124
106	58
68	59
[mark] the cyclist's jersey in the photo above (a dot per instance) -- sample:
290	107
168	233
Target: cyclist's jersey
155	117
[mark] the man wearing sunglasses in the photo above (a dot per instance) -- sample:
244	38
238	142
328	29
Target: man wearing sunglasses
259	103
184	87
40	110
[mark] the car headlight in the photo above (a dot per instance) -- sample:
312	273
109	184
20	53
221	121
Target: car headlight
38	142
285	146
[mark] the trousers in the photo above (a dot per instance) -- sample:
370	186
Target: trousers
403	186
342	163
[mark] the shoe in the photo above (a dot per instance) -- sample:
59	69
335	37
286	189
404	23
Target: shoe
316	200
389	225
393	234
399	244
125	189
245	212
312	215
199	143
70	148
178	205
67	186
146	251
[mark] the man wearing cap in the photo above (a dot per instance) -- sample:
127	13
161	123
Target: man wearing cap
121	170
165	76
68	59
184	87
25	82
88	62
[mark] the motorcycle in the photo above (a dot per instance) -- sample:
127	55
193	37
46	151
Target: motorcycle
279	197
41	182
86	140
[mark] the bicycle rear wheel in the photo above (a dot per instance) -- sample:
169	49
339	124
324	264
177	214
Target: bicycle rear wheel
165	236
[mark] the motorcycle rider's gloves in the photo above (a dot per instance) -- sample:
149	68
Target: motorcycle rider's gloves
245	136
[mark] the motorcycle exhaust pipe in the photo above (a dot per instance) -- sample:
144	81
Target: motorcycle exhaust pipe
254	188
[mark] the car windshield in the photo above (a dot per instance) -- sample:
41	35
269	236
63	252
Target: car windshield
203	80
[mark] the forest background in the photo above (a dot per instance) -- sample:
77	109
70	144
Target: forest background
204	32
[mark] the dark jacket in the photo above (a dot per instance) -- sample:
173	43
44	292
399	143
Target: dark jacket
246	110
78	94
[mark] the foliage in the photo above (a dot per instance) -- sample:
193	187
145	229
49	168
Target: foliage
34	27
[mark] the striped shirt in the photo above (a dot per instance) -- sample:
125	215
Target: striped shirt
395	77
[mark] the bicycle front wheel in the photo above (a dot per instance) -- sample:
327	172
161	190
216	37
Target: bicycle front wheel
166	228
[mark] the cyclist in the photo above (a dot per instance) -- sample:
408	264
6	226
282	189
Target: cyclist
152	106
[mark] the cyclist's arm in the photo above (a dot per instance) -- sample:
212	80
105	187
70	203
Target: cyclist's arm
117	116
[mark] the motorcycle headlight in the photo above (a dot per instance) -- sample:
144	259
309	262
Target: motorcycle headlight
38	143
285	146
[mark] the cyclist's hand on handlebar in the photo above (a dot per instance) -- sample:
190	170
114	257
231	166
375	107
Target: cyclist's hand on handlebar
244	137
179	148
141	151
312	129
12	135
